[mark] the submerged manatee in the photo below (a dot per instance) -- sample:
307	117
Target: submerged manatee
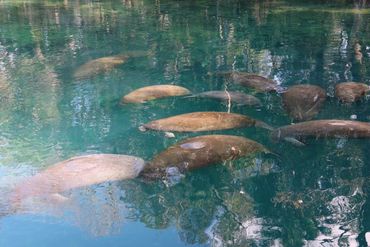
235	97
79	172
199	152
323	129
98	66
349	92
203	121
144	94
256	82
303	102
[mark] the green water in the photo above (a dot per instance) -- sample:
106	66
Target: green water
313	195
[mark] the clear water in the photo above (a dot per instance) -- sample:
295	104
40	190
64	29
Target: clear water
308	196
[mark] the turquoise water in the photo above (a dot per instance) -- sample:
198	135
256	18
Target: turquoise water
313	195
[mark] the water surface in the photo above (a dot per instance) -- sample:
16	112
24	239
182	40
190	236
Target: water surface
308	196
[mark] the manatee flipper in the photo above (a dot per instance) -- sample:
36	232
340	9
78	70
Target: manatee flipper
169	134
294	141
263	125
191	96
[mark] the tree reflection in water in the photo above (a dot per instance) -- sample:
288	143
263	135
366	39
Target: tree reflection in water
317	195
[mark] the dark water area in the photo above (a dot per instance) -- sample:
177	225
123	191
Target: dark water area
316	195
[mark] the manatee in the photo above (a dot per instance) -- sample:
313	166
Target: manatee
349	92
303	102
203	121
235	97
198	152
144	94
136	53
78	172
254	81
98	66
324	129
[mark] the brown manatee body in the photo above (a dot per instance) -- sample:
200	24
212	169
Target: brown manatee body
144	94
98	66
236	97
200	151
349	92
256	82
79	172
303	102
323	129
203	121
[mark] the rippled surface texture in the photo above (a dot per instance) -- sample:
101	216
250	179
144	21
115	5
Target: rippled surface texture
50	110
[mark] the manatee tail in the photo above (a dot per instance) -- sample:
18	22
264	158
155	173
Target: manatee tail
263	125
191	96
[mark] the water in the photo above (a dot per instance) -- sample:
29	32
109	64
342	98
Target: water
309	196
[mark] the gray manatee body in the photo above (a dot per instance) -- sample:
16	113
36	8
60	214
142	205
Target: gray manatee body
78	172
324	129
253	81
104	64
97	66
234	97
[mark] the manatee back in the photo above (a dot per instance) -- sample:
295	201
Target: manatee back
201	121
81	171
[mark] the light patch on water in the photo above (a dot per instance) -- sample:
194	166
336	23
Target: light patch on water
338	236
341	143
173	176
250	233
280	77
265	62
343	44
341	228
367	237
97	209
253	228
214	239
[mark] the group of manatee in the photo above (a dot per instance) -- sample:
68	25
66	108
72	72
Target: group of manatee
302	103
